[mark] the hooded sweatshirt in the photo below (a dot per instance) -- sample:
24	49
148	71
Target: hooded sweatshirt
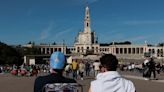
111	82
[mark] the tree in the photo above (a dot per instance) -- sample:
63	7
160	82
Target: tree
116	43
122	43
160	44
9	55
29	42
54	43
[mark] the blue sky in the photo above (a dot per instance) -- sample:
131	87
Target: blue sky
46	21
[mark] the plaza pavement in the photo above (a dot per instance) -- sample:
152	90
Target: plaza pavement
9	83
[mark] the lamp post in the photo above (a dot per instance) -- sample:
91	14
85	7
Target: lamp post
63	46
162	52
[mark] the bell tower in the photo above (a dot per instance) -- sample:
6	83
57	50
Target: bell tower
87	28
86	39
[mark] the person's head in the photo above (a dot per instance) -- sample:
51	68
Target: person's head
109	62
57	62
147	58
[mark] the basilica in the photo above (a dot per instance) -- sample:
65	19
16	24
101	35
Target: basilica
86	43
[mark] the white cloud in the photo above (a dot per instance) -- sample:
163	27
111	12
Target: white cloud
107	37
63	32
46	32
139	38
84	1
92	1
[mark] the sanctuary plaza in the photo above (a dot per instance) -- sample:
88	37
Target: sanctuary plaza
86	43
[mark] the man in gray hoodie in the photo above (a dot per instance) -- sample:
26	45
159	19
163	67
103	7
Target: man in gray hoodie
109	80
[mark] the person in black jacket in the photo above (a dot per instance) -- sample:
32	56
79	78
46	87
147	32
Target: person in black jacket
151	66
57	64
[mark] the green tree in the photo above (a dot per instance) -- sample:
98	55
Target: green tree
9	55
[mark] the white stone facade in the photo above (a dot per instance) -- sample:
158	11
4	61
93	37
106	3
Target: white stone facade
86	42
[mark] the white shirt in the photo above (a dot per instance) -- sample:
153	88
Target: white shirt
146	61
111	82
96	65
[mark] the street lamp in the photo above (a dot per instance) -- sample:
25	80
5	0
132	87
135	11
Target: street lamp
63	46
162	52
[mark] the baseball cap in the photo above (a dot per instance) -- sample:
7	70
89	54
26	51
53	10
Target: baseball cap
57	60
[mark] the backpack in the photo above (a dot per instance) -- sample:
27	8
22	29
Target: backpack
62	87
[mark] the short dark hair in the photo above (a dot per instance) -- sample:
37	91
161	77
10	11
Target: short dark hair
109	61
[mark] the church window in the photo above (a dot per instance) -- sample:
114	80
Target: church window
121	50
161	52
59	49
129	50
78	49
125	50
96	49
133	50
117	50
56	49
138	51
149	50
40	51
87	24
141	50
82	49
51	51
48	51
153	51
43	50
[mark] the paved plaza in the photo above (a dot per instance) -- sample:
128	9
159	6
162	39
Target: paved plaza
9	83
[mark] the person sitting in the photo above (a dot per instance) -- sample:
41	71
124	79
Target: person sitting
109	80
57	64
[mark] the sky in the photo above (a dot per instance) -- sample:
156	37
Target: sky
48	21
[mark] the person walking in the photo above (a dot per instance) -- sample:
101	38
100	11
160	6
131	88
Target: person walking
96	66
146	68
81	69
68	69
74	68
158	68
109	80
151	66
87	68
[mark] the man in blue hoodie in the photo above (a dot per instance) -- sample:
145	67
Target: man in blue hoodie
109	80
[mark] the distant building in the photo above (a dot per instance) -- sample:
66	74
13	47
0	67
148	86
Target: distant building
86	42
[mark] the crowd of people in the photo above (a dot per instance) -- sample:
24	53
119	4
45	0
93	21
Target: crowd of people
140	67
151	67
80	68
24	70
76	70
